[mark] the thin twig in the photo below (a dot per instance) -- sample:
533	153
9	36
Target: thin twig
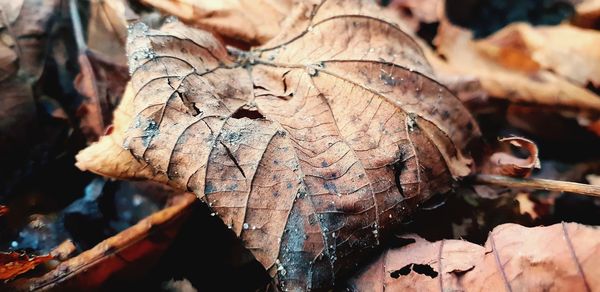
538	184
85	64
77	28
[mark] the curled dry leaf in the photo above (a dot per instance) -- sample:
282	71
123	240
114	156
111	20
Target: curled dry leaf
505	163
3	210
15	263
129	252
560	257
514	74
251	21
102	62
310	148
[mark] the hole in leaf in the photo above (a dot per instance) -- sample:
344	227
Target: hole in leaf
251	113
402	272
426	270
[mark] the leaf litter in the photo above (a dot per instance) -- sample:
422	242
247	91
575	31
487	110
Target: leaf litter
288	143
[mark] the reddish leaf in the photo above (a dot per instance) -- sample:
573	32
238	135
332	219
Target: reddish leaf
3	210
14	263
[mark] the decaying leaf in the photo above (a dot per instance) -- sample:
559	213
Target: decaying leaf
560	257
310	148
514	74
251	21
564	49
14	263
24	29
526	205
131	251
3	210
505	163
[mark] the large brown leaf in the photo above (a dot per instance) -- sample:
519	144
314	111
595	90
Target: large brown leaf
310	148
560	257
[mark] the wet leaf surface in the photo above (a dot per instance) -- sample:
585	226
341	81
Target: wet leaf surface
324	144
309	155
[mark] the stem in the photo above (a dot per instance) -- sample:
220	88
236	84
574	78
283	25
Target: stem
77	28
538	184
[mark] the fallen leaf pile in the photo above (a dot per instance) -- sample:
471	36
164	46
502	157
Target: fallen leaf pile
315	131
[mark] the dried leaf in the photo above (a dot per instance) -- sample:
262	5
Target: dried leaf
14	263
554	258
107	28
564	49
3	210
251	21
310	147
587	13
502	80
505	163
526	205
